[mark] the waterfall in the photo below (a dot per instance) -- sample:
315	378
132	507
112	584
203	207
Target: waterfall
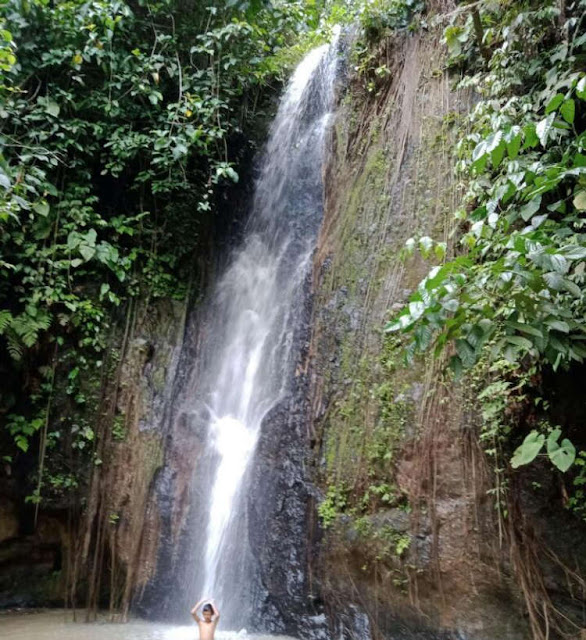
251	318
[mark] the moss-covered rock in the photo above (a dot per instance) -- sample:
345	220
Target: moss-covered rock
409	536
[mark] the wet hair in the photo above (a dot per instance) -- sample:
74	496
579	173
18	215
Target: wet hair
208	607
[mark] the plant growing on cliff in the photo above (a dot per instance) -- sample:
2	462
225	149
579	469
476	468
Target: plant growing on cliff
514	289
507	304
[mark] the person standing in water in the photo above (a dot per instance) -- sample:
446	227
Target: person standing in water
211	615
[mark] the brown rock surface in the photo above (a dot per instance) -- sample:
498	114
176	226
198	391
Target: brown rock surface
391	177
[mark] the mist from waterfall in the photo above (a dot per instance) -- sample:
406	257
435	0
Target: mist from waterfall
252	317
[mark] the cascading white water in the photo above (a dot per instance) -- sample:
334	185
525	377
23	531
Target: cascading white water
254	308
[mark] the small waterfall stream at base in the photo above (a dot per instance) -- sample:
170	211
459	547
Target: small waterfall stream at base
247	356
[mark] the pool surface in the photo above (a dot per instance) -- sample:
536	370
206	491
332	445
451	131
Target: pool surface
59	625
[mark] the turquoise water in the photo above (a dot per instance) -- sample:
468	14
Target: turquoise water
59	625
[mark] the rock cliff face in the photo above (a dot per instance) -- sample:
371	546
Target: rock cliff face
134	457
411	535
412	540
40	564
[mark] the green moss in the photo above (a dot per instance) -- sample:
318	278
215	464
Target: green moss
119	427
367	425
387	185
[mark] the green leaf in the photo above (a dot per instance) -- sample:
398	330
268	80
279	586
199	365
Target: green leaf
416	309
579	200
52	108
466	353
562	456
497	154
554	103
90	237
5	320
525	328
554	280
180	150
543	129
479	151
22	443
87	252
390	327
531	208
519	341
528	451
450	305
42	208
568	111
456	367
558	263
440	250
425	246
493	141
558	325
513	147
574	252
531	138
73	240
553	438
572	287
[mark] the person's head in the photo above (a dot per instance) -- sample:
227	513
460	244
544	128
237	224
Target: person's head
207	612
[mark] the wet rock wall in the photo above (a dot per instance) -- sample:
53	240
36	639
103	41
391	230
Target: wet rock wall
410	535
102	543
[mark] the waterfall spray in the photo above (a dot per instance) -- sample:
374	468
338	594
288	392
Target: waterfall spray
254	313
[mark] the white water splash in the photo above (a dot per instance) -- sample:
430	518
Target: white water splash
235	443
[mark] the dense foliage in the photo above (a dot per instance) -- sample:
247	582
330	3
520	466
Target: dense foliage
123	126
510	304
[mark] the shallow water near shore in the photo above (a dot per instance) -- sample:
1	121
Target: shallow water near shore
59	625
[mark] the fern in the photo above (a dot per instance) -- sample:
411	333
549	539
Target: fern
5	320
28	328
43	321
30	337
14	346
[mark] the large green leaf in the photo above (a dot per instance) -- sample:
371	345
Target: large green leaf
519	341
531	208
52	108
554	103
529	450
87	252
568	111
42	208
561	455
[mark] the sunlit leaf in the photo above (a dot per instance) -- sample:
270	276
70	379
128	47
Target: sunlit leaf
529	450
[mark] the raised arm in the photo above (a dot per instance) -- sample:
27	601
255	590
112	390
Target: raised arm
215	610
195	609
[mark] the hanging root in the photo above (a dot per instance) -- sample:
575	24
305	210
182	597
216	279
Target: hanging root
526	549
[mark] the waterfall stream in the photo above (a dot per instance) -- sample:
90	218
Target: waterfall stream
252	314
